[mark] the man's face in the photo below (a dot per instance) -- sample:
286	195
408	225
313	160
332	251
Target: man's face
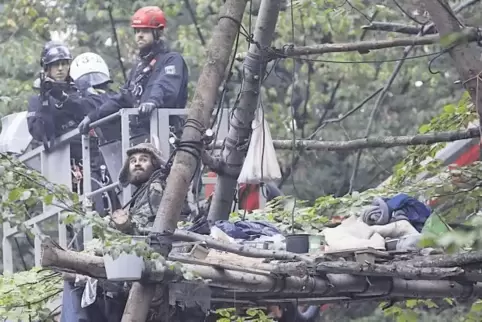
144	37
140	168
59	70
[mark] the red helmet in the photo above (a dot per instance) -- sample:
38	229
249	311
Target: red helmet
149	17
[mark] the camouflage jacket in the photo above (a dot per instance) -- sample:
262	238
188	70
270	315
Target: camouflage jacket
143	210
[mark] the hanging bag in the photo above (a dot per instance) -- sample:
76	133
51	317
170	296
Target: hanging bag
261	164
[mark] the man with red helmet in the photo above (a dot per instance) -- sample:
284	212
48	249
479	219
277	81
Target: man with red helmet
158	80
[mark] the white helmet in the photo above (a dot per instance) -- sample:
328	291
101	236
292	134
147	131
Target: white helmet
90	70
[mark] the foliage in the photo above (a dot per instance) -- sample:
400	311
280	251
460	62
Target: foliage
250	315
421	158
29	295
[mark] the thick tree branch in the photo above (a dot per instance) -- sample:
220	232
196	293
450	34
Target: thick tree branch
375	142
461	259
468	34
393	270
325	285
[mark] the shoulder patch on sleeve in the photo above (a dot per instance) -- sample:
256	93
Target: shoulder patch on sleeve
157	186
170	70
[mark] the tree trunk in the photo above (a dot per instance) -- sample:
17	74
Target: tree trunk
464	54
185	163
254	68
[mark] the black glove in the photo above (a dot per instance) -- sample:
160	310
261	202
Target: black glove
146	109
84	126
58	94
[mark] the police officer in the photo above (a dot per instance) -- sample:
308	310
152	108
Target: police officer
47	118
91	76
158	80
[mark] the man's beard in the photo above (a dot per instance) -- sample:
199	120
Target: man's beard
137	178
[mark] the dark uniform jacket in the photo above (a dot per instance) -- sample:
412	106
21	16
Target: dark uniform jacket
54	119
161	78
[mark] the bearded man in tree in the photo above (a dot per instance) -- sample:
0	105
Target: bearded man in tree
145	169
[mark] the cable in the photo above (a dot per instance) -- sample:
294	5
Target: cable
116	40
293	150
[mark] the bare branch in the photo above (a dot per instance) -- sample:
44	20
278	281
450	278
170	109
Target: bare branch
374	142
243	250
344	116
378	104
468	34
395	27
411	29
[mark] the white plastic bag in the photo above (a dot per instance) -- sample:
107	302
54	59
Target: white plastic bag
261	164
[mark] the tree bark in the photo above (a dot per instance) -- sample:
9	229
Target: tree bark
254	68
371	142
391	270
185	163
463	54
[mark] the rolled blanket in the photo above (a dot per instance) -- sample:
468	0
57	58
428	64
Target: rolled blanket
378	214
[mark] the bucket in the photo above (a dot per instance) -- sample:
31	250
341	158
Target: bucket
126	267
298	243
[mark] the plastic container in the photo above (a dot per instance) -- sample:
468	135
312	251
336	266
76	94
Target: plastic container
126	267
314	242
298	243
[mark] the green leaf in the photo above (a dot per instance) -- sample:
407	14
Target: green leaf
48	199
424	128
15	194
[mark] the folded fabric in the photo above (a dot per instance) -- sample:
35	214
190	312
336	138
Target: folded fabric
400	207
247	229
352	234
396	229
378	214
415	211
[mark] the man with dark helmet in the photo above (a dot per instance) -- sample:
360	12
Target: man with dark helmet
47	118
158	80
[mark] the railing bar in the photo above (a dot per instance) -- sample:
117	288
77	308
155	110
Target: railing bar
102	190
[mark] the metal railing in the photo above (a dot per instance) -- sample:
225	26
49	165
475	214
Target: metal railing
55	166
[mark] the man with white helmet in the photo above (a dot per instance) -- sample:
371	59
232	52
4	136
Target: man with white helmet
91	75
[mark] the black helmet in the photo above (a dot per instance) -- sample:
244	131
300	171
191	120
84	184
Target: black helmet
54	51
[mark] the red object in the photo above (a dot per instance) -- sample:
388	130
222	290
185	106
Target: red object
470	156
248	196
209	187
149	17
